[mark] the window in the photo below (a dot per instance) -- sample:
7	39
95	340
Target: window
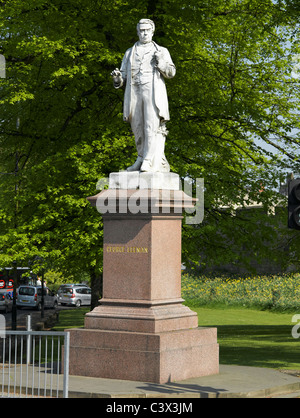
26	291
66	291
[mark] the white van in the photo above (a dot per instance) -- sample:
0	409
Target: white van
31	296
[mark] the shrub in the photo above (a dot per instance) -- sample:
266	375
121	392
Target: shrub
281	292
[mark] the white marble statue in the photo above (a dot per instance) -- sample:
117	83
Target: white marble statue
143	70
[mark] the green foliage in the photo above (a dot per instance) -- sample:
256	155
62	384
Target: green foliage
280	293
233	86
55	278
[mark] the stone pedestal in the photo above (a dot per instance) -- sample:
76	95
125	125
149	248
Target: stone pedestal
141	330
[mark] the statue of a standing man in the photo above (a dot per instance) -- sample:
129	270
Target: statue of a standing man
143	70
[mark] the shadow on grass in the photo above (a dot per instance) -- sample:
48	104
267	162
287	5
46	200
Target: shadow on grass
259	346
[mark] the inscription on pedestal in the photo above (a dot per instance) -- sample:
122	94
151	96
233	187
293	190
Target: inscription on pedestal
125	249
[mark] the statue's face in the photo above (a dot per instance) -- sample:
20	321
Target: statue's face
145	33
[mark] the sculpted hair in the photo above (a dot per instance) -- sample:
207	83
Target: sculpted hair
145	21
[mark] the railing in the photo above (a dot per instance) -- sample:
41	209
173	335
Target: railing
32	363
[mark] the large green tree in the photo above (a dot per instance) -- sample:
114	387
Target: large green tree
61	126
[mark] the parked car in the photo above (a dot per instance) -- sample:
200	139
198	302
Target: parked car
5	302
74	295
31	296
67	286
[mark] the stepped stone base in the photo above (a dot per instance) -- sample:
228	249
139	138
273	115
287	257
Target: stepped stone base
147	357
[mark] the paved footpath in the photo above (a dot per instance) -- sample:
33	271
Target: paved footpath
231	382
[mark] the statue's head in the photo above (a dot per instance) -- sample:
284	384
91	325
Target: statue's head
145	30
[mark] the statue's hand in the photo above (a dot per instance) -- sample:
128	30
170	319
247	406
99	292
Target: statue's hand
117	76
158	56
161	64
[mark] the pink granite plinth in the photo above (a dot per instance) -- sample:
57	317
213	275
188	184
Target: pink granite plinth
147	357
142	257
136	317
141	330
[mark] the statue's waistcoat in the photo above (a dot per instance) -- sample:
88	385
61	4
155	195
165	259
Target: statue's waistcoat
143	66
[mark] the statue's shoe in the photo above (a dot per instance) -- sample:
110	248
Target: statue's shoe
146	166
137	165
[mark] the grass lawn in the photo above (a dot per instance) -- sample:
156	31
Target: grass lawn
73	318
252	337
246	337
